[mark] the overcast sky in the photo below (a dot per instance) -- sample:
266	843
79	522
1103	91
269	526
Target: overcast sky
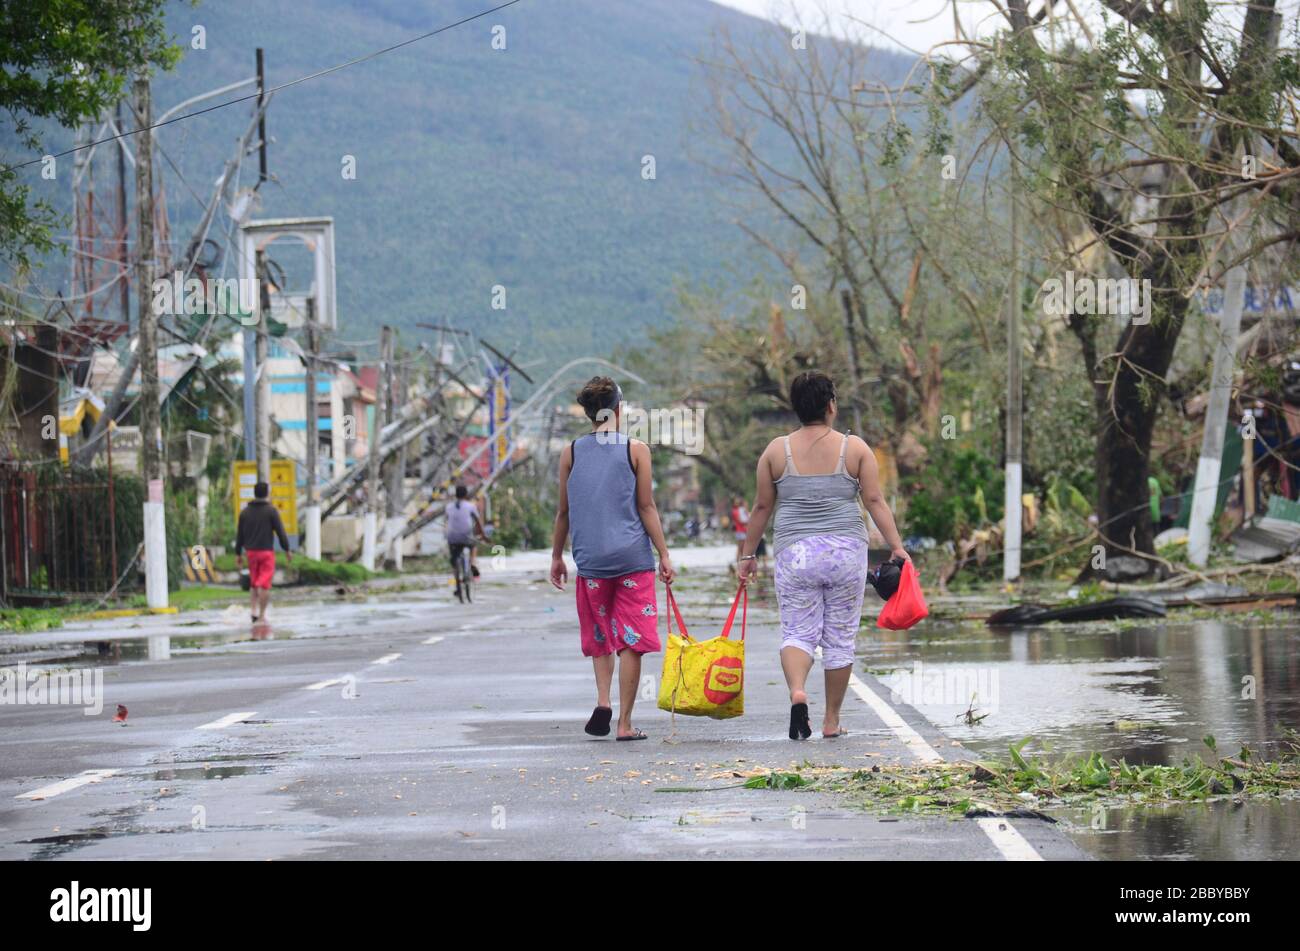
912	23
919	24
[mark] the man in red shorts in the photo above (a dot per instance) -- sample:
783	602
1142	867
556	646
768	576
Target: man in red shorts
259	527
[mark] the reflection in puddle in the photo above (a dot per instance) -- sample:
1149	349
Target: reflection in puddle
1145	693
207	772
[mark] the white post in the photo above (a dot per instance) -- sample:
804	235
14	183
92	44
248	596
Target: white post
1011	535
202	486
368	540
1208	467
155	549
394	541
311	520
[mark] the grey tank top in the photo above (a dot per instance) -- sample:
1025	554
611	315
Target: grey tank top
460	522
604	523
816	504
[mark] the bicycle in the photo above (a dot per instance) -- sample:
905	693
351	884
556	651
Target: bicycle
464	573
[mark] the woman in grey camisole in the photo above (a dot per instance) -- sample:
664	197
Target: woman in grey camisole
821	544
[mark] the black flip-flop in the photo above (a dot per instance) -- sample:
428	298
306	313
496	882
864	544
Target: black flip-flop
638	735
800	728
598	725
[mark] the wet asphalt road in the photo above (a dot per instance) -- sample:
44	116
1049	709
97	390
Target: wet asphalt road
463	740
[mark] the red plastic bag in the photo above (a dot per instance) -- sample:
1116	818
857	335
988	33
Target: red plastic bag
907	605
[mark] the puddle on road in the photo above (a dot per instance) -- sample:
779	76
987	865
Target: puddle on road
208	772
340	619
1146	693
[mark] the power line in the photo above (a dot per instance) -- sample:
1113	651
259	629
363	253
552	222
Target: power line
273	89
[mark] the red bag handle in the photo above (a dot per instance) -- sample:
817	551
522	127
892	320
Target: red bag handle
741	601
675	612
742	598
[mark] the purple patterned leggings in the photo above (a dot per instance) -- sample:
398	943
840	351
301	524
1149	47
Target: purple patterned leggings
819	585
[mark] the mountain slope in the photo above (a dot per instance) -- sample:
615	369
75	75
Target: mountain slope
476	167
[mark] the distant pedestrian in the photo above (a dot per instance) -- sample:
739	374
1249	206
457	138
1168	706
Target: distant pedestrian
739	523
259	527
814	478
607	506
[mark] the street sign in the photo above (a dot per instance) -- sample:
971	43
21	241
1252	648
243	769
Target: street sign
126	444
284	489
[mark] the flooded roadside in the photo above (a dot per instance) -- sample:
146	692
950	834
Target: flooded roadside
152	639
1145	692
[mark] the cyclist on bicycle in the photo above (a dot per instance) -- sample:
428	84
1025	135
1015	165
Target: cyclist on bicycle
463	523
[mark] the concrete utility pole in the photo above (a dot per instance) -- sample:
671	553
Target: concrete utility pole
123	286
262	401
396	473
1208	468
369	541
252	338
155	525
311	514
1012	521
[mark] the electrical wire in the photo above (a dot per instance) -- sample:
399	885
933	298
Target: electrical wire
267	92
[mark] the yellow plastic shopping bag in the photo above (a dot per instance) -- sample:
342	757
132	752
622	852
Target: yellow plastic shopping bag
704	678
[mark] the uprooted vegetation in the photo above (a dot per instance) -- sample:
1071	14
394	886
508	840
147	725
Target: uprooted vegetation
1025	785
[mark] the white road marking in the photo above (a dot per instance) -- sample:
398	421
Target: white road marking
434	640
386	659
913	740
1004	836
57	789
482	622
228	720
322	684
1008	840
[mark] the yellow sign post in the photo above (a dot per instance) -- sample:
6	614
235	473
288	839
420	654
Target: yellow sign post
284	489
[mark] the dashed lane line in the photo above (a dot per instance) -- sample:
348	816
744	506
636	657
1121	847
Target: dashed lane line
1004	836
229	719
57	789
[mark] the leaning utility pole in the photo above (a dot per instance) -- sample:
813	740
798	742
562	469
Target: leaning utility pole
369	542
396	473
1012	520
1205	495
155	525
311	514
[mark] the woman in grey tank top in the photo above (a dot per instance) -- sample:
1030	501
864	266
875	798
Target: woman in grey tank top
607	507
815	478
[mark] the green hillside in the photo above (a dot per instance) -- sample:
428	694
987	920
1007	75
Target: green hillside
477	167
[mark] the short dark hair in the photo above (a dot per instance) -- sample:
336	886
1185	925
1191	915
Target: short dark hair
810	395
461	492
600	393
261	490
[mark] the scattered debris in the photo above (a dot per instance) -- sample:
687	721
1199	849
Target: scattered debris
1127	606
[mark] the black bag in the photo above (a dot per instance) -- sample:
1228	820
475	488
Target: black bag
885	577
